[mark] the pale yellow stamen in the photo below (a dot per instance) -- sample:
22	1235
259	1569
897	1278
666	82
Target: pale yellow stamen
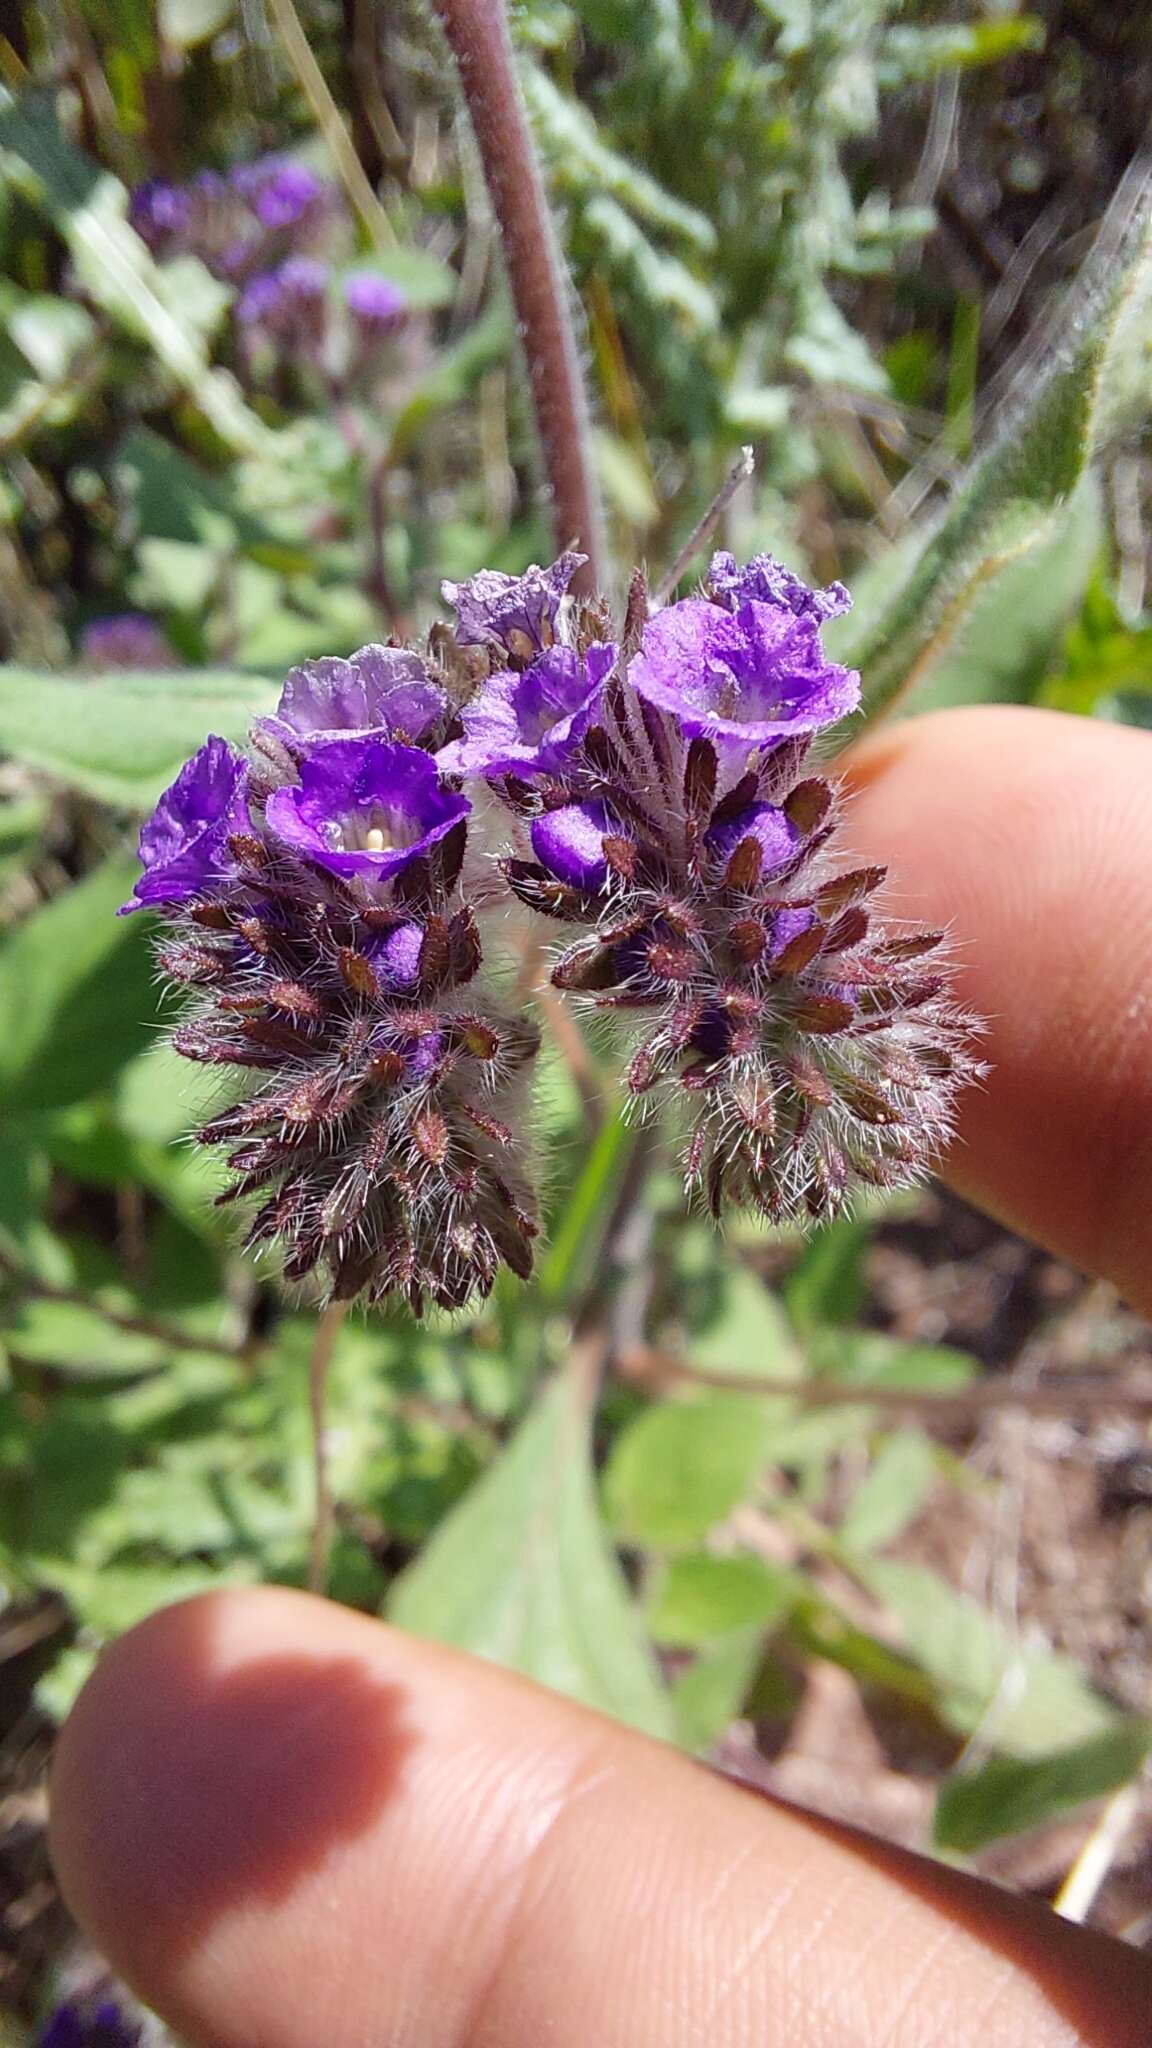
374	839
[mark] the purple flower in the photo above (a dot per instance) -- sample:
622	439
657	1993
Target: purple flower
258	302
127	640
376	302
530	722
570	843
365	808
184	844
289	301
775	835
88	2023
382	690
515	612
159	212
279	193
767	581
749	677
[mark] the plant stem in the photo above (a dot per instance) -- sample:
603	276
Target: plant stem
328	1330
654	1368
738	474
478	33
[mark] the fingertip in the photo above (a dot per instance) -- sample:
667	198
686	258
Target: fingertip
1028	834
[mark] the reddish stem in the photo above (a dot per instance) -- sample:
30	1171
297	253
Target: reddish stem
478	33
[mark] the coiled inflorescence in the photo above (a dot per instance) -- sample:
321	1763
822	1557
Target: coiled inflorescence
671	817
315	918
324	912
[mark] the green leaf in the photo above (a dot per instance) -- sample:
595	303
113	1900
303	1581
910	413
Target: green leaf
1017	496
122	738
683	1466
701	1597
1011	635
908	55
185	23
580	159
79	1341
748	1331
77	994
827	1285
891	1494
1024	1700
707	1697
1008	1794
521	1572
89	208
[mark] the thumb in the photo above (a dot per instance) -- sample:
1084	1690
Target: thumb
284	1823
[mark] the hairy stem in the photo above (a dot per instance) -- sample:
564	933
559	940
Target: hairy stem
323	1512
478	33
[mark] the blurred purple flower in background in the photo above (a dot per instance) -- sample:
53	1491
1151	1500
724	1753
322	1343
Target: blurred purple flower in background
125	640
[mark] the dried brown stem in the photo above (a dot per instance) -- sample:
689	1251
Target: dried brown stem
32	1289
478	33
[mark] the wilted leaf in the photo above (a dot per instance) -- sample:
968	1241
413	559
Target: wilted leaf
1009	1794
521	1572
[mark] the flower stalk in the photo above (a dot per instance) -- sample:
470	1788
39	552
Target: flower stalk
477	31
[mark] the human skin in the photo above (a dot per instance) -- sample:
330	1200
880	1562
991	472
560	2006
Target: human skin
285	1823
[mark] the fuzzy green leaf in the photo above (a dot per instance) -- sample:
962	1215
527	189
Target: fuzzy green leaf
521	1572
122	738
77	995
1016	498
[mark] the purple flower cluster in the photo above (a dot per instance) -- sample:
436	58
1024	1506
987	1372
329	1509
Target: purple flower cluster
664	808
657	780
271	229
313	912
239	222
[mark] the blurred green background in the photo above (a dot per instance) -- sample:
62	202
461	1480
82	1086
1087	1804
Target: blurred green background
861	237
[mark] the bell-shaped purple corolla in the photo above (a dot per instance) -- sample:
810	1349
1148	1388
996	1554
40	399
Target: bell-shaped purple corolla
773	833
766	581
364	808
184	844
746	678
514	612
569	842
382	690
531	723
